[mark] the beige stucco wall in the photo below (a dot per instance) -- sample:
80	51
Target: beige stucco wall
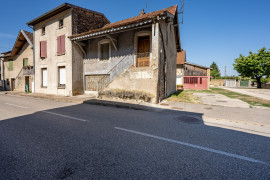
25	52
141	79
53	61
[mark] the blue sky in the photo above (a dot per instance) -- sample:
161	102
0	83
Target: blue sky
213	30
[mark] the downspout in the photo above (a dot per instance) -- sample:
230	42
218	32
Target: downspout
34	59
165	63
84	57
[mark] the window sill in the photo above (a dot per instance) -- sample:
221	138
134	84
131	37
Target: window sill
61	87
61	54
44	87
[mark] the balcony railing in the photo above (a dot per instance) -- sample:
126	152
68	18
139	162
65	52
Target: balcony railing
143	59
28	70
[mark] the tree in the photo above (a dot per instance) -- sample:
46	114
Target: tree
215	70
255	65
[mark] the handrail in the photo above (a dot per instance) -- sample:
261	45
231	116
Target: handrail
104	81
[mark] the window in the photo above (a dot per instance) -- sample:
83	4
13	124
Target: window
61	45
104	51
43	49
44	76
61	24
62	77
43	31
25	62
10	67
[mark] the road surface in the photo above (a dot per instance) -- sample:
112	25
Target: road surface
43	139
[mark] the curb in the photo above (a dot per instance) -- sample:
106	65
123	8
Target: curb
119	105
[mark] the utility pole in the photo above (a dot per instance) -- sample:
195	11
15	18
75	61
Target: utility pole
225	71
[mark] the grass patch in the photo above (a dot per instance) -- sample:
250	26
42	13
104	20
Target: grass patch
187	96
184	96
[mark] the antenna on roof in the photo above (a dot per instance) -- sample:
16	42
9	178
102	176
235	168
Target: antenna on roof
146	7
181	10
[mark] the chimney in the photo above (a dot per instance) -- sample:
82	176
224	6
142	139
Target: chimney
142	13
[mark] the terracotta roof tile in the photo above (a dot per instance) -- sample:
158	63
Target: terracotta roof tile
142	17
181	57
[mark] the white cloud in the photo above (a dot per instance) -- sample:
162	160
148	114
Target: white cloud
6	35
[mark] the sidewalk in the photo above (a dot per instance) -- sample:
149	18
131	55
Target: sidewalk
258	93
75	99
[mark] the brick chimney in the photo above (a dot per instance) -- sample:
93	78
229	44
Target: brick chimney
142	13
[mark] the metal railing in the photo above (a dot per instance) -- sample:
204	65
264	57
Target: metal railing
28	70
18	79
123	64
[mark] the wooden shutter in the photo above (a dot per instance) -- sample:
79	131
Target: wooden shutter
43	49
61	45
58	45
25	62
10	65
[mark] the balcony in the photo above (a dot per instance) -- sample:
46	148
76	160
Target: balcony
28	70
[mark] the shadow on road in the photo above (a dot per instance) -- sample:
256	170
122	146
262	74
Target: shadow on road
82	142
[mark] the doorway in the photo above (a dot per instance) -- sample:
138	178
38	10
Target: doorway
12	84
26	83
143	55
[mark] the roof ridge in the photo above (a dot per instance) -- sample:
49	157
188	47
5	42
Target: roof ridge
172	10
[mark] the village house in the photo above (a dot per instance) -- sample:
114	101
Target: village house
78	51
191	76
58	61
17	71
132	56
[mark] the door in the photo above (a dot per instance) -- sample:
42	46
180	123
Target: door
26	83
143	55
12	84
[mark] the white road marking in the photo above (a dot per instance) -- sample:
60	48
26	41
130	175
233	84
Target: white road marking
61	115
193	146
16	105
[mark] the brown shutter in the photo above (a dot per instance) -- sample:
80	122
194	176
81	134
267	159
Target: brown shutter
63	49
58	45
43	49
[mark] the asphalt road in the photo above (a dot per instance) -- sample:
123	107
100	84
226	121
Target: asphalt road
42	139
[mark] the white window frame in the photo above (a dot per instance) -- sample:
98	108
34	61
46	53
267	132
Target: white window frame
42	78
64	80
104	41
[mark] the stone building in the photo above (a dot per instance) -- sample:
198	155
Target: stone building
58	61
17	71
133	55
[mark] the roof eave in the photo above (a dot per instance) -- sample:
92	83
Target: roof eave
49	13
115	29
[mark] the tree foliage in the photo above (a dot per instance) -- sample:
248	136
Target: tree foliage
215	70
255	65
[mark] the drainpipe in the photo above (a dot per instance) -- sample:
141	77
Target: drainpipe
34	61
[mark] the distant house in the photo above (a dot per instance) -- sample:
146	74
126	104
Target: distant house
58	61
136	54
191	76
181	59
17	70
196	76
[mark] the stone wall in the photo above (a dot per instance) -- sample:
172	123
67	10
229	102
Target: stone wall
83	21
